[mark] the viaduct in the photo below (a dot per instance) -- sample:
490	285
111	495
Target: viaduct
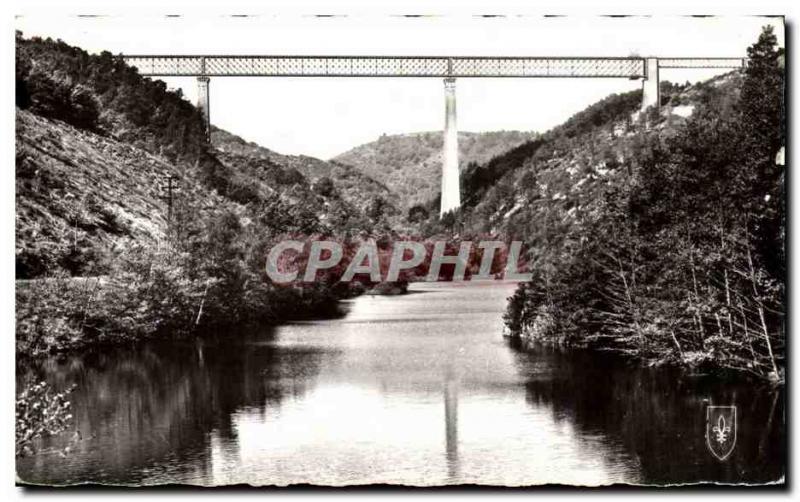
445	67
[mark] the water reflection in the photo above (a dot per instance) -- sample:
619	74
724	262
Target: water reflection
451	425
659	415
362	399
144	413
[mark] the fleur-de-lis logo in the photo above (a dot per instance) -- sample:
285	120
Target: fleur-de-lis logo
721	430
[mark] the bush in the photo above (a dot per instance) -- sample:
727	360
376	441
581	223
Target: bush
418	214
324	186
41	412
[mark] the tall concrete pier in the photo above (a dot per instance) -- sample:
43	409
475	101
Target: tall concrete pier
203	103
651	95
451	190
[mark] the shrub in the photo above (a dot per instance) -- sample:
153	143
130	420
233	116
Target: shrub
41	412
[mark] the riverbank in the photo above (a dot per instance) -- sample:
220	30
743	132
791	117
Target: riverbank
67	314
543	331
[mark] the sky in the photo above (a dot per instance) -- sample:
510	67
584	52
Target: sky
323	117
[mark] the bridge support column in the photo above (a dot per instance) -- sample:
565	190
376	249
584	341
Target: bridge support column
451	190
651	95
203	102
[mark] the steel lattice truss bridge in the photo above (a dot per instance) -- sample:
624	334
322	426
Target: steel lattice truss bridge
410	66
449	68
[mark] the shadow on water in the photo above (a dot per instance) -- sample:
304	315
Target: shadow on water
659	414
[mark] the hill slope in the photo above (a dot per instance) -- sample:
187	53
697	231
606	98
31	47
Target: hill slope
563	174
98	258
351	184
411	165
96	142
80	195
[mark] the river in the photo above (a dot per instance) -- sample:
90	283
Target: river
419	389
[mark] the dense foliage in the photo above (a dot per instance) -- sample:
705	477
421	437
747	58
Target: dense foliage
41	412
682	259
100	92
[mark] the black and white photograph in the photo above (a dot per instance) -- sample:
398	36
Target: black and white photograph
408	250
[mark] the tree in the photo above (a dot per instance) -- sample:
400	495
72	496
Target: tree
418	213
376	208
324	186
762	98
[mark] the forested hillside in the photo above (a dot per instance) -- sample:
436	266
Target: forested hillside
661	236
411	164
104	254
363	192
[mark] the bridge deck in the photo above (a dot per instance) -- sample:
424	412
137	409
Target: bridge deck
408	66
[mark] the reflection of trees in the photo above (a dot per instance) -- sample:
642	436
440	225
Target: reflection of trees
141	409
658	415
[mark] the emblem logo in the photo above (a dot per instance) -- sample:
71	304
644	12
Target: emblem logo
721	430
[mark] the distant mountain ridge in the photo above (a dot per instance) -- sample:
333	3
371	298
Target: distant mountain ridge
410	164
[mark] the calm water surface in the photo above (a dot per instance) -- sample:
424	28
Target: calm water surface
419	389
